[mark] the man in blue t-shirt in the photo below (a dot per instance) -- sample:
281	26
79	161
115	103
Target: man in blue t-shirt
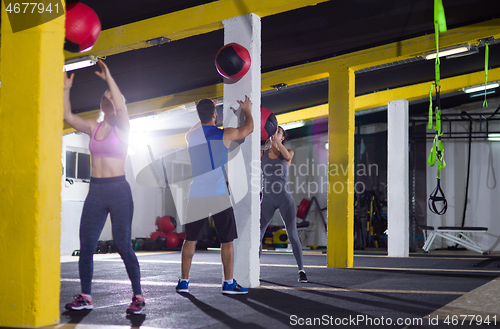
208	149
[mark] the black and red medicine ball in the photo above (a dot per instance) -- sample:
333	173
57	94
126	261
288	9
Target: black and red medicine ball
233	61
82	28
165	224
268	123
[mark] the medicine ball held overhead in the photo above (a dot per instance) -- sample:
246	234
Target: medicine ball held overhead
233	61
82	28
268	123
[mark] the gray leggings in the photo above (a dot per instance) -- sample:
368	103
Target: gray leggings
107	195
284	202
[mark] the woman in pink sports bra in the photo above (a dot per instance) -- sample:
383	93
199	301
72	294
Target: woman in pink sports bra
109	192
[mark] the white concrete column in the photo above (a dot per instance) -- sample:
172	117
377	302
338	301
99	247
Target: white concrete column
397	179
244	165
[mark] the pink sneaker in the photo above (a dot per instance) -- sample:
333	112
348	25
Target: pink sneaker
136	306
81	302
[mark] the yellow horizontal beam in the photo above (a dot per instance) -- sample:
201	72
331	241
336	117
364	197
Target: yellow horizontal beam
310	113
160	104
415	47
421	90
165	103
389	53
186	23
289	77
381	98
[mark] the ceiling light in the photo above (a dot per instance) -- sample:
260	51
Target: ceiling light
293	125
471	51
158	41
473	89
143	123
79	63
279	86
448	51
482	94
494	137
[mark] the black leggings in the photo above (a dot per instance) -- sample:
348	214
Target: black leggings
107	195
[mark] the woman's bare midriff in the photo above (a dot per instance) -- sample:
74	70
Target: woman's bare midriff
107	167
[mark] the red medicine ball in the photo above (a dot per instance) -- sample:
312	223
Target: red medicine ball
268	123
82	28
165	224
233	61
172	240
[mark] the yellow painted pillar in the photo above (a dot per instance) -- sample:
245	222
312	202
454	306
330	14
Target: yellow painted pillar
30	172
340	239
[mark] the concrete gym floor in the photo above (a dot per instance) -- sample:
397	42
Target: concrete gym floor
378	292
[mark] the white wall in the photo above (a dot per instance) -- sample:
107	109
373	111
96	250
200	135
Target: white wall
308	178
72	195
70	223
149	202
148	205
483	204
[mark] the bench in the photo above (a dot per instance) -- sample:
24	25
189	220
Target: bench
454	234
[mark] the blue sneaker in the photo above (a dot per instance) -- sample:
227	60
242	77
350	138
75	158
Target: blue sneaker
233	289
182	286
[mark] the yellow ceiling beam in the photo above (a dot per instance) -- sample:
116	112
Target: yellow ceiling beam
290	77
389	53
381	98
160	104
186	23
415	47
309	113
421	90
165	103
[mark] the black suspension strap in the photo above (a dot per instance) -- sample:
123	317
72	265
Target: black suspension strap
466	115
436	156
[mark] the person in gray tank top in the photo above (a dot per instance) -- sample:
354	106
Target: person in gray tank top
276	194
